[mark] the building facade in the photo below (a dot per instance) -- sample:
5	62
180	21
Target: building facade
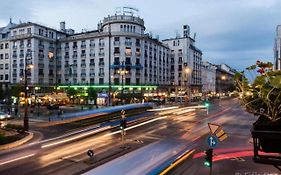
277	49
5	56
186	62
208	77
225	79
118	52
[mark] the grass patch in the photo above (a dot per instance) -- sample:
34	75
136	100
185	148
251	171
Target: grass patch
9	139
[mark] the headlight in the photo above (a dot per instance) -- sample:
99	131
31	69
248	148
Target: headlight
2	117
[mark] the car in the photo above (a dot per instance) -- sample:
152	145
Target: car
4	116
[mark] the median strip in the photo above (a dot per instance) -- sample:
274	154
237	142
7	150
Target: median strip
178	161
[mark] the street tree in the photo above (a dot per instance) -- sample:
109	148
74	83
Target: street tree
92	95
71	93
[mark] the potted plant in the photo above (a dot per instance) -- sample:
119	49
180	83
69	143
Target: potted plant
263	99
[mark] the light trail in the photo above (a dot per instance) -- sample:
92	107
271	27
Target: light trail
16	159
132	127
76	137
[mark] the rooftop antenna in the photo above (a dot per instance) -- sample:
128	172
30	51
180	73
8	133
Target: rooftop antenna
11	20
130	11
194	36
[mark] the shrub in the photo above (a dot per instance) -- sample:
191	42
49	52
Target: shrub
19	128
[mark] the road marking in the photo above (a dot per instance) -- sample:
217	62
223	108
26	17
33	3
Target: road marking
135	126
177	162
16	159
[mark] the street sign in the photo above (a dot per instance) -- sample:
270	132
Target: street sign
90	153
213	127
212	141
221	135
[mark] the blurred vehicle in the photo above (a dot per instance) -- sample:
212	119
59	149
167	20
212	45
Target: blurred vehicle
53	106
4	116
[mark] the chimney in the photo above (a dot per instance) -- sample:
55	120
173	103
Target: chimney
62	26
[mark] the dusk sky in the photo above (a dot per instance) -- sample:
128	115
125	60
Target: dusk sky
235	32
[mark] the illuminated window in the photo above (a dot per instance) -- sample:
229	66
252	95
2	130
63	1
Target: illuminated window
128	51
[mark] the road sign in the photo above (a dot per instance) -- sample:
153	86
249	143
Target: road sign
90	153
212	141
221	135
213	127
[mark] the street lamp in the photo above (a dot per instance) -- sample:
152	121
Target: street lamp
28	66
187	71
122	72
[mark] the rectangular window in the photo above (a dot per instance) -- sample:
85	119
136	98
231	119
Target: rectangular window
128	51
29	30
100	80
116	50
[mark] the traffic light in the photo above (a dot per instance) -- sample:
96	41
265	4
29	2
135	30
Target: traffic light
123	124
208	158
206	104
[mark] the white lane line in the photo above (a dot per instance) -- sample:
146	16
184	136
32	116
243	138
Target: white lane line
162	109
76	137
16	159
134	126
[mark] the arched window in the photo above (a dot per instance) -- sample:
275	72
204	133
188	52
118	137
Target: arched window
131	29
128	28
121	28
134	29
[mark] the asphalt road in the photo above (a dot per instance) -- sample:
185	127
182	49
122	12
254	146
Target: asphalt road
51	157
68	155
232	156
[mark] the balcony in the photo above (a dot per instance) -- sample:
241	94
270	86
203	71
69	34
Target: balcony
15	65
41	46
74	47
138	44
92	54
138	54
116	53
101	63
66	56
101	54
15	47
101	74
128	63
180	54
128	43
21	64
28	45
66	47
92	74
116	43
83	46
83	74
138	73
74	56
21	46
128	53
83	64
92	64
92	45
83	55
101	44
14	55
117	63
21	55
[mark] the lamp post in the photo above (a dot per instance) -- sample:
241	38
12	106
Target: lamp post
109	70
27	66
122	72
187	71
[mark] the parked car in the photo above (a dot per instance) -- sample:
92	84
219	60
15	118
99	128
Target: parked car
4	116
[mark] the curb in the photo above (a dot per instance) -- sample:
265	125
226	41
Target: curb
18	142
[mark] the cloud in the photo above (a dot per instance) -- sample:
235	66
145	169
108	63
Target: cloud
227	30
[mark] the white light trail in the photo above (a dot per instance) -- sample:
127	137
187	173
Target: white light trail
134	126
16	159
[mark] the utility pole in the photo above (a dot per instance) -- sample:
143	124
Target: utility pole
25	118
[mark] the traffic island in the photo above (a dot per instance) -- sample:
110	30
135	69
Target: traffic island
12	141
